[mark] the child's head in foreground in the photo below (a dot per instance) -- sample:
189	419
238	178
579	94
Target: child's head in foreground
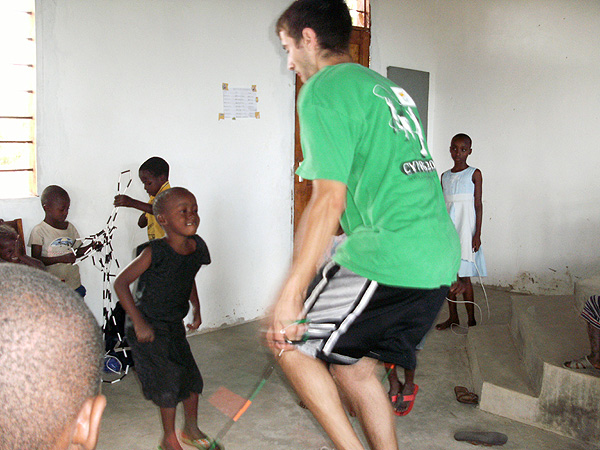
153	173
8	243
56	203
51	352
176	211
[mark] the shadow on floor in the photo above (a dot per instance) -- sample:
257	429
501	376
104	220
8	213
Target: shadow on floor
233	358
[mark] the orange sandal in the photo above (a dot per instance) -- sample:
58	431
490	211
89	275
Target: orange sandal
410	398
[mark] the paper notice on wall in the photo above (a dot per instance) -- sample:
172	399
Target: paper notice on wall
239	103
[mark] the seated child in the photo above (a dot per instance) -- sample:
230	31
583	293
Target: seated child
591	314
11	250
51	351
166	269
54	241
154	174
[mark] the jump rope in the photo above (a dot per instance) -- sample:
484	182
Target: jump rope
269	368
487	302
215	444
102	246
101	254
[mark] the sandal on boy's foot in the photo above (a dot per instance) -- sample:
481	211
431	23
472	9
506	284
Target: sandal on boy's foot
463	395
410	399
488	438
204	443
216	445
580	364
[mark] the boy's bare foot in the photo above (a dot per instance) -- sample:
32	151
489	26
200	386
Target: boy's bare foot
395	388
392	395
447	324
192	432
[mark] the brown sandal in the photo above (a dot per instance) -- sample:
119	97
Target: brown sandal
463	395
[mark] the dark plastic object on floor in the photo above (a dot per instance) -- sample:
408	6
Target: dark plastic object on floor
482	437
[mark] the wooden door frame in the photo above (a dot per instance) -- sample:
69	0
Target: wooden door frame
360	42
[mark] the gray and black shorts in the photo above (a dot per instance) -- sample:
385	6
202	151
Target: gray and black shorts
349	316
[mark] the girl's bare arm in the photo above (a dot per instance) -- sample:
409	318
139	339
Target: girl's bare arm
132	272
478	182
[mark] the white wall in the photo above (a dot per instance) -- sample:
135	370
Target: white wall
121	81
521	78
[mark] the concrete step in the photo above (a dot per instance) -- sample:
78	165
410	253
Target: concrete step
547	328
495	359
517	369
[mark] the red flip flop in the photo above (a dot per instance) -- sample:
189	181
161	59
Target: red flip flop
406	398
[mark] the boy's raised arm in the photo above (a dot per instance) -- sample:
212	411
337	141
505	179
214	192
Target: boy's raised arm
128	202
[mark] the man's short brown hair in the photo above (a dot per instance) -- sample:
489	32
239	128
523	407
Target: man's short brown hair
330	19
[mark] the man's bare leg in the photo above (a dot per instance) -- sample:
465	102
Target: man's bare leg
317	389
370	401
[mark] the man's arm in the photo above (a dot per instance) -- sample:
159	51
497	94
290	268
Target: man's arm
318	224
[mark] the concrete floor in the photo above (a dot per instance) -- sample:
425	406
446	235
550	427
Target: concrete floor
233	358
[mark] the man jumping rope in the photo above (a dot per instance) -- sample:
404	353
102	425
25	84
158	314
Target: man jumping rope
365	151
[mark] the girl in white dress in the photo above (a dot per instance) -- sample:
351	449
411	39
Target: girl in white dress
462	186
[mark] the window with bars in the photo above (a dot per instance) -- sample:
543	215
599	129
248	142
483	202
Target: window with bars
359	11
17	99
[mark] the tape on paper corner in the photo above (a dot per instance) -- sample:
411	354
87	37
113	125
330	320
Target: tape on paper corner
221	116
257	115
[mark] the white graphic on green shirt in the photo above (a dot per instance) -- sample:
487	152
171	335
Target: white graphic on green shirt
402	109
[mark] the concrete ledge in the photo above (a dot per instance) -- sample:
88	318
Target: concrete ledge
584	289
546	329
494	359
518	371
510	404
569	404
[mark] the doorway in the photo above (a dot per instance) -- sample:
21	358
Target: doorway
360	42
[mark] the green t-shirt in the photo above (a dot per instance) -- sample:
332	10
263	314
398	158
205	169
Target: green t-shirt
358	128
